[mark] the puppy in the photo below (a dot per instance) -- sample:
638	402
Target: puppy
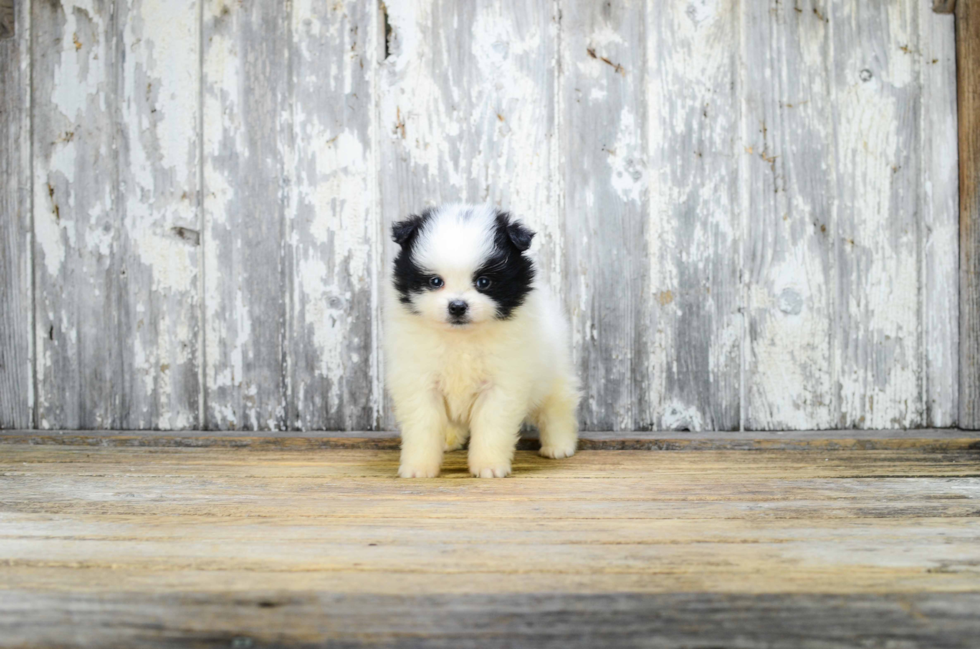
474	345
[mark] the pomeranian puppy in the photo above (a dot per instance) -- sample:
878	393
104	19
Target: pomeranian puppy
474	345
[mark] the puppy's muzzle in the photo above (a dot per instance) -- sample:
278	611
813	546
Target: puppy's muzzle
457	311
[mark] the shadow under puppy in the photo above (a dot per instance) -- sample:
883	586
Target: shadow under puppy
474	344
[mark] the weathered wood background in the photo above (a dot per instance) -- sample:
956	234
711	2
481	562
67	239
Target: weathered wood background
748	208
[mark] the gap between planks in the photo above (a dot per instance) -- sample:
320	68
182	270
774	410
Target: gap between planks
927	440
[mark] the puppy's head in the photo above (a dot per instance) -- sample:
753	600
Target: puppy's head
462	265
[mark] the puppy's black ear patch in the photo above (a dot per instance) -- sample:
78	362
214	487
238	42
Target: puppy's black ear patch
407	277
403	232
519	235
511	275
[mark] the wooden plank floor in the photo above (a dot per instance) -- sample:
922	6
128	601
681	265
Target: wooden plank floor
113	546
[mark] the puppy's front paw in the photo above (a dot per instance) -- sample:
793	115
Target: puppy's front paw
558	451
499	471
418	471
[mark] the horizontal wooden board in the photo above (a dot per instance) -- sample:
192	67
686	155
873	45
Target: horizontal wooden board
487	621
110	546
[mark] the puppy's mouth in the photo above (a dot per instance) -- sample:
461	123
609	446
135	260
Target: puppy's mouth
461	321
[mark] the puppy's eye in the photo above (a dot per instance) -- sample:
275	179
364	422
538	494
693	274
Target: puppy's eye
483	283
436	282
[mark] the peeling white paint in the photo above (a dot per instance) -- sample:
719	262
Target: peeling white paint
878	366
331	216
830	287
627	159
680	416
48	231
78	66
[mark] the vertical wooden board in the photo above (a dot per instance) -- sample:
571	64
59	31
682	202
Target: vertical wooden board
787	193
876	115
16	291
467	113
333	220
604	168
76	263
939	229
245	80
159	242
968	111
693	236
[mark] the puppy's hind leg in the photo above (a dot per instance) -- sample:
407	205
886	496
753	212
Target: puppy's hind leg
557	422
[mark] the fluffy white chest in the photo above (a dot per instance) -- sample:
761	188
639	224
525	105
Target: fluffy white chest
462	377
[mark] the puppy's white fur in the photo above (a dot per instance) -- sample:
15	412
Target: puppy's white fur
483	379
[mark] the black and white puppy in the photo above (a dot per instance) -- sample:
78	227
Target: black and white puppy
474	345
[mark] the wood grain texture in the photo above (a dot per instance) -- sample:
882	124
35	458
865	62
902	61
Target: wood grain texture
605	201
95	552
78	262
968	102
827	336
115	130
876	122
694	230
334	240
16	245
158	241
649	621
939	217
246	132
787	198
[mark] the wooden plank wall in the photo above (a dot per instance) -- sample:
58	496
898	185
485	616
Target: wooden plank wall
748	209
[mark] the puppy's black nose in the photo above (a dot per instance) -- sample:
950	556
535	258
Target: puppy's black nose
457	308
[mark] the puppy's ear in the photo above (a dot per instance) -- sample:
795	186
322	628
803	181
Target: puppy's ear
519	235
404	231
